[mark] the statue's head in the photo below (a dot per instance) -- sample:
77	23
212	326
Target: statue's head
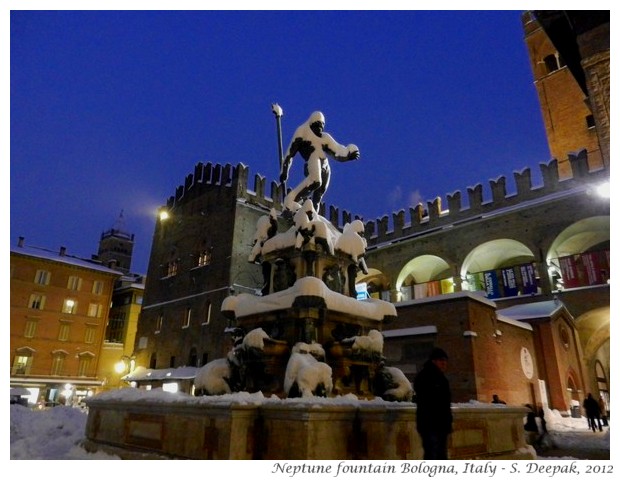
317	123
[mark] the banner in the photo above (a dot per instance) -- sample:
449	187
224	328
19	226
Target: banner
568	269
509	281
434	288
528	279
491	285
592	268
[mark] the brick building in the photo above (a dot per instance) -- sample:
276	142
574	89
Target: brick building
59	310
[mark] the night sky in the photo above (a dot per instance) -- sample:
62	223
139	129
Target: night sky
110	110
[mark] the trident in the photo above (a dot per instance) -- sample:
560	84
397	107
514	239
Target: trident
277	111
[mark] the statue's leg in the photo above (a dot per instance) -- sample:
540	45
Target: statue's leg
311	182
324	173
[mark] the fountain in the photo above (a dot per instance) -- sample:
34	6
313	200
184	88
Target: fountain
306	378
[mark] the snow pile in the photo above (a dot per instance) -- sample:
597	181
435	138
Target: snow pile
50	434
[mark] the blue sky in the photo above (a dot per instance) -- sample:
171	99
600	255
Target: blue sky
110	110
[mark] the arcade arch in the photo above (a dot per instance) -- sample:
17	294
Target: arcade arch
424	276
502	267
579	255
376	282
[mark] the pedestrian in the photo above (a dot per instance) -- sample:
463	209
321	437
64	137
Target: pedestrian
434	406
496	399
602	405
593	413
531	427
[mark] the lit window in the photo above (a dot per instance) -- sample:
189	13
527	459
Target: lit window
36	301
160	322
188	317
63	332
31	328
207	318
172	269
21	364
204	258
74	283
97	287
42	277
69	306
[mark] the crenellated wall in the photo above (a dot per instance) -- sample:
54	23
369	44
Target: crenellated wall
420	218
426	219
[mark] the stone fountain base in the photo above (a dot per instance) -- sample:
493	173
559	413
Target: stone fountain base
293	430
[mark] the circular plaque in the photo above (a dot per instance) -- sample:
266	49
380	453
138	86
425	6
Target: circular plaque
527	364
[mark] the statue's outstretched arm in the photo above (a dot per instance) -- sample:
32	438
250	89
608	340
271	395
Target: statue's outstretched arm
339	152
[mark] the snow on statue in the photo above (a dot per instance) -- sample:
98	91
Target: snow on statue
353	243
314	145
371	343
306	376
391	384
266	228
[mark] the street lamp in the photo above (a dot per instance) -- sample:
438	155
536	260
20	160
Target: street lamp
125	363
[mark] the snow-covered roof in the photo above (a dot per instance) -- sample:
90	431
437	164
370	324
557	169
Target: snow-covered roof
408	332
531	311
478	296
245	304
53	256
141	374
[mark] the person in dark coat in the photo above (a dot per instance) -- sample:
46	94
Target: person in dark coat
592	412
434	406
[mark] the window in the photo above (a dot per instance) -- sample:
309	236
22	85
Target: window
172	269
553	62
69	306
63	331
42	277
84	365
90	334
74	283
160	323
590	121
115	329
22	364
204	258
138	299
37	301
207	317
58	363
95	310
193	358
188	317
31	327
97	287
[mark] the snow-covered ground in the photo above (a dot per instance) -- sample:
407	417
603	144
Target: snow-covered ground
56	433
